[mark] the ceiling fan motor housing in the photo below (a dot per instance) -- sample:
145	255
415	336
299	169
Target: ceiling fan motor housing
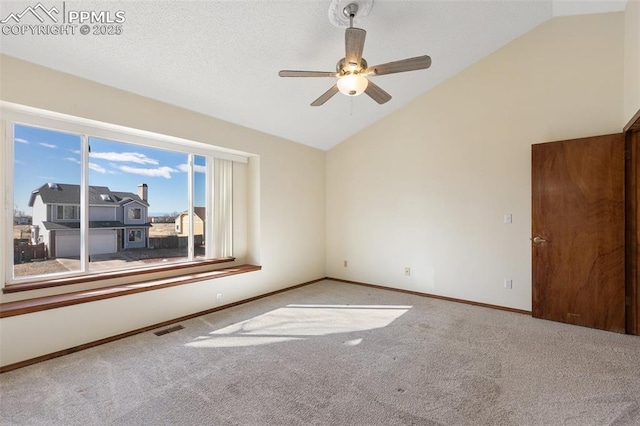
343	68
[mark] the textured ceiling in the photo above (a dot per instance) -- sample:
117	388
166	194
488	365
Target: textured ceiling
222	58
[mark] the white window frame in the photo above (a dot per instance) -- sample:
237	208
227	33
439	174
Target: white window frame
12	114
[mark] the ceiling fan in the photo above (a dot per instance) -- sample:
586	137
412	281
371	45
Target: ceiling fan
352	70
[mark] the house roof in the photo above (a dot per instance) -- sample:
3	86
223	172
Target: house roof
201	212
65	193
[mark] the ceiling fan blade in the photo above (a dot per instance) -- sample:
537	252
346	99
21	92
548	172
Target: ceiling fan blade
411	64
325	96
376	93
292	73
354	45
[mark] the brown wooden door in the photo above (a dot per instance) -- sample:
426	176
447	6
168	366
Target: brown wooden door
578	232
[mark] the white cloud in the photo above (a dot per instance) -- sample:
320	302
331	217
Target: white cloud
97	168
20	140
196	168
164	171
48	145
75	160
124	157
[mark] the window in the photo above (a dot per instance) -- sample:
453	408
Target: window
68	212
135	236
135	213
106	199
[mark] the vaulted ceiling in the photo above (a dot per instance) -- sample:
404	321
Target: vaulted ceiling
221	58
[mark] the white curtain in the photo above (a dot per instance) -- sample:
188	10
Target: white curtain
223	207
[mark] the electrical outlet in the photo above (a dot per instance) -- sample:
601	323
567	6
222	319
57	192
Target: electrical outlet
407	271
345	264
508	283
218	297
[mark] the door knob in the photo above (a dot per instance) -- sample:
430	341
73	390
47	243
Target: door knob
539	240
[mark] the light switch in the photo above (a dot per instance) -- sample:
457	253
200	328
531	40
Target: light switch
507	219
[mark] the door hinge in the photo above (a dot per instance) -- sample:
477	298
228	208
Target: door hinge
627	155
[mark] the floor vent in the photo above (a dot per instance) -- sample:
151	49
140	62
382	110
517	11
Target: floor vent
168	330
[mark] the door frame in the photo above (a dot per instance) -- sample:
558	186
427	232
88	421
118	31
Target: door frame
632	223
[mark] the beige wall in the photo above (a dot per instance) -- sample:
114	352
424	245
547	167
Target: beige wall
286	216
631	60
427	187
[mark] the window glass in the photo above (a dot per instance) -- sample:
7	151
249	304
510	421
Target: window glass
68	213
135	236
150	189
135	213
46	201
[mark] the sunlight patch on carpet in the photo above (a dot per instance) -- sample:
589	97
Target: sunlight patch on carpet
297	322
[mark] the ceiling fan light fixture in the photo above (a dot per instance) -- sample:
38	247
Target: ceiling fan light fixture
352	84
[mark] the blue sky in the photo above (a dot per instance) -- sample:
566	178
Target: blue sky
42	156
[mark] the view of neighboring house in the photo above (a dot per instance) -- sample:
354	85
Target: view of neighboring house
117	220
162	219
22	220
182	222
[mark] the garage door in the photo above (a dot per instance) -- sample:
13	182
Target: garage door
67	245
100	242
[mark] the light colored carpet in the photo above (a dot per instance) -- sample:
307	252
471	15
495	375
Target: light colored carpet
339	354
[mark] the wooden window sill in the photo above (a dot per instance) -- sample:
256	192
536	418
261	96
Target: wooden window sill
56	282
57	301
